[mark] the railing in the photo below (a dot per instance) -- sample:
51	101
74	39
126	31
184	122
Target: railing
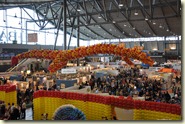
13	68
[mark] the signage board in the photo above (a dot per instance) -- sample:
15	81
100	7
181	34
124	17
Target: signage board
32	37
68	71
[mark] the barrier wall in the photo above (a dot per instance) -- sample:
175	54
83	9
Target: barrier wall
96	106
8	94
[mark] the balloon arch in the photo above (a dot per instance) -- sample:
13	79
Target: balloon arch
61	57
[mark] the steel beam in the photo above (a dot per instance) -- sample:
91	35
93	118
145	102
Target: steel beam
109	18
141	4
84	5
102	27
21	26
151	8
45	15
78	38
104	9
55	24
64	24
165	18
58	26
128	20
36	11
178	7
171	7
124	9
71	33
148	23
86	25
131	3
32	18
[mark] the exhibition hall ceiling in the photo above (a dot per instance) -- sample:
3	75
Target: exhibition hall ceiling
107	19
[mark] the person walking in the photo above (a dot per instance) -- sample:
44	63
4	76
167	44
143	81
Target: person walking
23	109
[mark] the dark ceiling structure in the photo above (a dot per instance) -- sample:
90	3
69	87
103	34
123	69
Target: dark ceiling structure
107	19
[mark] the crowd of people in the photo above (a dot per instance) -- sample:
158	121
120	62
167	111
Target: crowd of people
12	112
132	83
128	82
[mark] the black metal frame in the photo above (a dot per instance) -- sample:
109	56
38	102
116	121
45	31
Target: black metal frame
59	11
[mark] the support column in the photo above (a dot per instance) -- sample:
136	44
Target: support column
64	25
178	45
78	38
6	23
21	26
26	32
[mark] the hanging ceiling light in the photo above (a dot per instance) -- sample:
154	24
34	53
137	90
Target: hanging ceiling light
167	30
15	15
125	25
78	9
113	21
120	4
134	28
99	16
136	12
155	49
160	26
146	18
44	12
154	23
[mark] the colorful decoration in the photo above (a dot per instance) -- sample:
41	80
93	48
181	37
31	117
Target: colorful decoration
14	61
96	106
8	94
60	57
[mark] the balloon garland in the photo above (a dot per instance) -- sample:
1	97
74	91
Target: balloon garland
61	57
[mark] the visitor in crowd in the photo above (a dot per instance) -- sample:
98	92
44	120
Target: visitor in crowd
23	109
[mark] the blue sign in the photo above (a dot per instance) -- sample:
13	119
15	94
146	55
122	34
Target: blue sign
11	36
